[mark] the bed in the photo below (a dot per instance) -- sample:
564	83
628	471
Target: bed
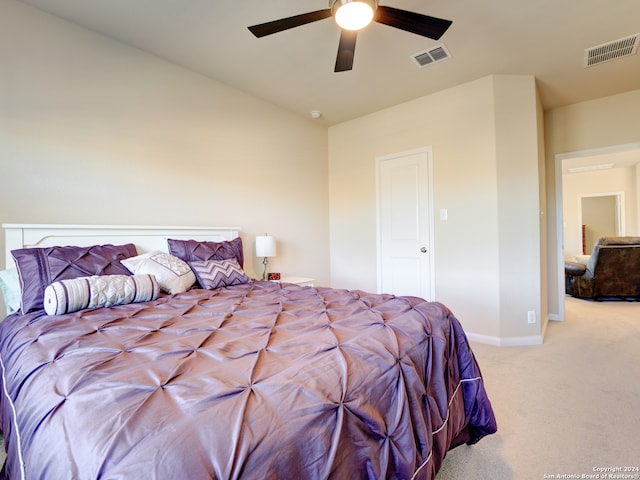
229	378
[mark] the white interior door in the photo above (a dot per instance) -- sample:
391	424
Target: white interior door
405	264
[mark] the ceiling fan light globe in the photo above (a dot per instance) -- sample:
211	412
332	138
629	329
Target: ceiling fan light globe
353	14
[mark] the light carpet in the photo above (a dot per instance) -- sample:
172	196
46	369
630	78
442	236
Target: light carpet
567	407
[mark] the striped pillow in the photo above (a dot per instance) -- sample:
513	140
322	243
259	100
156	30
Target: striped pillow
218	273
66	296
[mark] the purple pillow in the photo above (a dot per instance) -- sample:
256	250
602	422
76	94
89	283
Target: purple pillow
218	273
40	267
194	251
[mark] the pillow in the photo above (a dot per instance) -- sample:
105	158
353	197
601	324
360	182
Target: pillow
40	267
10	286
173	275
75	294
218	273
193	251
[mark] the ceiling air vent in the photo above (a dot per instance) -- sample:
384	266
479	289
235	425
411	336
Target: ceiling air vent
612	50
433	55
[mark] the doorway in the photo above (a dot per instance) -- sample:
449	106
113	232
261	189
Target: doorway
600	216
405	224
595	161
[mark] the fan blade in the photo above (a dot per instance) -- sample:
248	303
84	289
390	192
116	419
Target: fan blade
346	51
276	26
417	23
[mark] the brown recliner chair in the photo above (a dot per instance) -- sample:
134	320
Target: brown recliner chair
613	270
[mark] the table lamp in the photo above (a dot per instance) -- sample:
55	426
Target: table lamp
265	248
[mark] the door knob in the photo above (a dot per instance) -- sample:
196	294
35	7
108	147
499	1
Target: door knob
423	249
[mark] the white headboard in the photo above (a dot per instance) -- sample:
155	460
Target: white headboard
143	237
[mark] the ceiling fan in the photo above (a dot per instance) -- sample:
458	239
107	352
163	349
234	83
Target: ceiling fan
353	15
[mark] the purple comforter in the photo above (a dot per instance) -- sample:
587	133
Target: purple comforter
255	381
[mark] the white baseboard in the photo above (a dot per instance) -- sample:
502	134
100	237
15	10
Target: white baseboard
522	341
505	341
511	341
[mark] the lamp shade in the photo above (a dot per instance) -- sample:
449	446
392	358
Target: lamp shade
265	246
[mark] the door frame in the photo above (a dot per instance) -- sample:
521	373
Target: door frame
621	227
559	192
431	252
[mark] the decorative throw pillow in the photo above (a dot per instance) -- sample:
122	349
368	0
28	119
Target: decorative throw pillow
10	286
173	275
40	267
219	273
75	294
193	250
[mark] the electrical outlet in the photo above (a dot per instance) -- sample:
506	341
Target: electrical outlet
531	316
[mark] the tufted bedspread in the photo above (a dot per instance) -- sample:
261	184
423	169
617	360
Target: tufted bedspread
256	381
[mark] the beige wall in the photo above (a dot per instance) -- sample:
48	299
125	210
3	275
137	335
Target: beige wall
519	153
593	125
637	179
484	138
92	131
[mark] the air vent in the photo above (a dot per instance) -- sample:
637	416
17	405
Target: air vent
433	55
611	51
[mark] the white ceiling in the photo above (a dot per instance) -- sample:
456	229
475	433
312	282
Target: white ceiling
294	69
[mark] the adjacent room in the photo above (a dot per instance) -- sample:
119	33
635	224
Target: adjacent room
455	152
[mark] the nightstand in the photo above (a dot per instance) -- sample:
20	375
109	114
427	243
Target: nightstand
302	281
